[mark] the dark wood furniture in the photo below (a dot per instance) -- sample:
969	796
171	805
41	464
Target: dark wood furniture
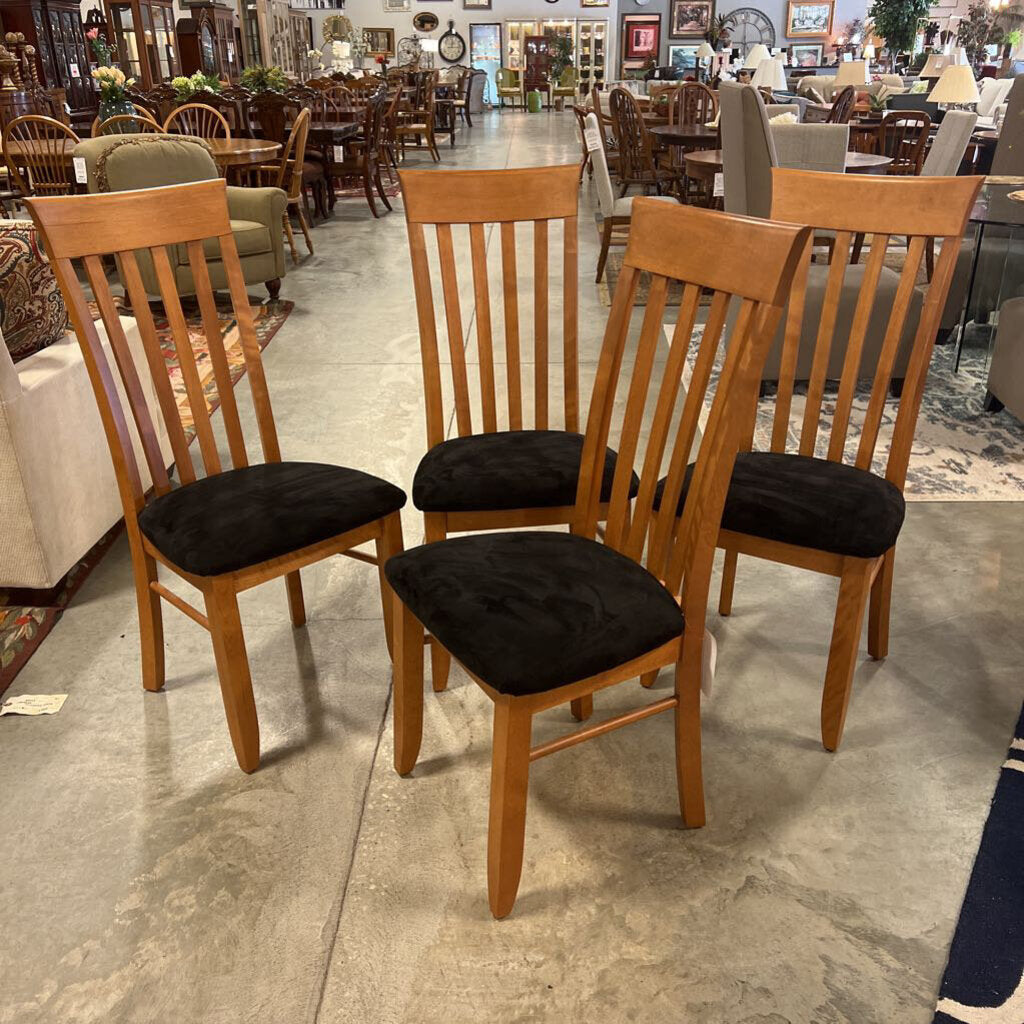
206	39
143	33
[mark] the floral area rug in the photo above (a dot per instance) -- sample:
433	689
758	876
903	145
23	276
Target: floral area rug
27	616
960	452
350	188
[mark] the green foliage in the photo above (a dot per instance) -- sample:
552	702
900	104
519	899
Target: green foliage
560	49
719	31
186	88
896	21
259	78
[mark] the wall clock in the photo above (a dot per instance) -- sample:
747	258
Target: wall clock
749	27
451	45
425	22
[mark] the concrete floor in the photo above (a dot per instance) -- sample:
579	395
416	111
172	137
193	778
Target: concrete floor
146	879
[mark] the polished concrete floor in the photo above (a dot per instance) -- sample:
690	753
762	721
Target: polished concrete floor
146	879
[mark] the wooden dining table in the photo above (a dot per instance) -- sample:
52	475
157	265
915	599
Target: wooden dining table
685	134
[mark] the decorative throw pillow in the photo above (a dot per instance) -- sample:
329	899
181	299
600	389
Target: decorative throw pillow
32	311
814	96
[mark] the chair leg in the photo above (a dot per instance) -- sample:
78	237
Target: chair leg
728	582
380	189
606	241
854	586
151	622
440	660
408	676
290	235
878	607
296	604
689	771
368	190
506	830
304	224
233	671
389	543
582	707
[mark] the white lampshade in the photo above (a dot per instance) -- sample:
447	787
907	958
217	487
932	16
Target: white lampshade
960	55
770	74
705	50
852	72
758	53
428	45
955	85
934	65
869	51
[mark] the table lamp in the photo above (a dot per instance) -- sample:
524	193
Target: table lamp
704	52
934	65
956	88
770	74
851	72
758	53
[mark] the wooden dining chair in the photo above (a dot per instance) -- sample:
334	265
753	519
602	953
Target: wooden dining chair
539	618
637	165
198	119
36	153
833	506
903	135
240	524
842	106
420	121
365	154
693	103
125	124
286	175
141	112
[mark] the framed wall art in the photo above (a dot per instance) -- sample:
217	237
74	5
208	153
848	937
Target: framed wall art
690	18
809	19
807	55
641	36
476	5
683	58
397	6
380	42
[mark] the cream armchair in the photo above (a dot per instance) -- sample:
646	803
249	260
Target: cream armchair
58	494
119	163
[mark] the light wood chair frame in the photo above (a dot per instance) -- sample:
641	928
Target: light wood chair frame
286	175
921	209
47	169
87	228
681	559
198	119
142	124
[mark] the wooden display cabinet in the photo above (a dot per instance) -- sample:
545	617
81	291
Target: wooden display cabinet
515	43
591	53
142	31
206	40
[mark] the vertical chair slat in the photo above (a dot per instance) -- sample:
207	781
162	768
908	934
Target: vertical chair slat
855	346
823	344
510	293
636	399
790	351
570	323
428	335
453	319
481	293
890	346
132	281
540	323
218	354
129	374
186	360
671	381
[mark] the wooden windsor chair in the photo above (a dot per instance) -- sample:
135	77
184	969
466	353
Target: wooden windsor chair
37	153
241	524
835	506
539	619
286	175
693	103
637	164
140	112
125	124
842	106
903	135
198	119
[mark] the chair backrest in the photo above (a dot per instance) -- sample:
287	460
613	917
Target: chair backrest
289	174
1008	158
904	135
227	103
656	417
607	128
82	230
882	207
124	163
536	198
950	143
599	162
693	103
811	147
125	124
36	153
992	92
748	152
842	106
632	139
198	119
377	107
140	112
507	78
271	114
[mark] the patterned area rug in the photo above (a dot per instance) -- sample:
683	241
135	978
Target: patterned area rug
984	979
960	452
27	616
349	188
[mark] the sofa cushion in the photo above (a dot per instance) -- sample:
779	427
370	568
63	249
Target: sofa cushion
32	311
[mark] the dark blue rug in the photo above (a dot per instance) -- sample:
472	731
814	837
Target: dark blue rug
983	983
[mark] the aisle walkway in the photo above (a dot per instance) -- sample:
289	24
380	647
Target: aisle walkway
146	879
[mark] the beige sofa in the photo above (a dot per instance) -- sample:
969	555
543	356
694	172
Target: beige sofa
825	85
58	494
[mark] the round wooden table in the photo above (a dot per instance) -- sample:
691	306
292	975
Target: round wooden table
708	162
685	134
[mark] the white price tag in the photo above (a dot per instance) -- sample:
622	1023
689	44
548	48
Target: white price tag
592	137
34	704
75	73
339	153
719	189
81	176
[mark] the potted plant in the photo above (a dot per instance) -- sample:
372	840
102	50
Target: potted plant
113	92
259	78
896	22
186	88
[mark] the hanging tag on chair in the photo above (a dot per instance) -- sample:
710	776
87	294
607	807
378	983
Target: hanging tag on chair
592	137
81	176
719	189
339	153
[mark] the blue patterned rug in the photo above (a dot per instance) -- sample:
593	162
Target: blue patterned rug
984	979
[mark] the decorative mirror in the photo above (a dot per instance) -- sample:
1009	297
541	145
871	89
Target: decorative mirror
425	22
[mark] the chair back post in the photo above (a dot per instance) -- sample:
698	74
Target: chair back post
919	209
536	198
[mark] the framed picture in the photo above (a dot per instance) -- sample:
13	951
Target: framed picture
809	19
593	3
641	36
806	55
690	17
397	6
476	5
380	42
683	58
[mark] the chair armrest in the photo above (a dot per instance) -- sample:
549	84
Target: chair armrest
263	205
10	385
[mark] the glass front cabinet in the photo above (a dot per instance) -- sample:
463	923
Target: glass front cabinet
143	34
516	33
591	54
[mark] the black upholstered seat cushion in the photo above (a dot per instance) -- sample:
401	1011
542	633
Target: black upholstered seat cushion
813	503
531	611
505	470
245	516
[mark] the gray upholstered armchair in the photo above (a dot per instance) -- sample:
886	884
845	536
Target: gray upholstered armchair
120	163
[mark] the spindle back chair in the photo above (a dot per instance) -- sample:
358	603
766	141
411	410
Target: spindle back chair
125	124
36	153
198	119
693	103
